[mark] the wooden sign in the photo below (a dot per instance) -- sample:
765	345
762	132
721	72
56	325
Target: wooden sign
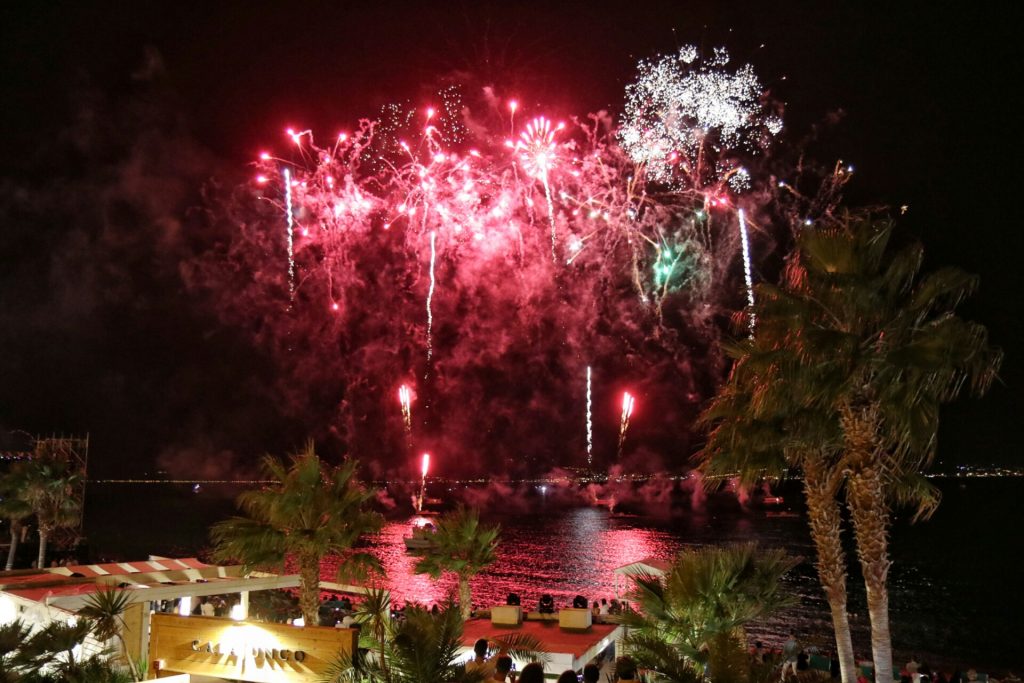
244	650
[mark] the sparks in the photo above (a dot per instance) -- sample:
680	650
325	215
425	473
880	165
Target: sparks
291	232
538	153
537	147
628	401
745	242
405	399
423	482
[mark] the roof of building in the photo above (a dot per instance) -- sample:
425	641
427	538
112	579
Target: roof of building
153	564
158	578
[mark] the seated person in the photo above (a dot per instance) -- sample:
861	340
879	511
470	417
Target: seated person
546	604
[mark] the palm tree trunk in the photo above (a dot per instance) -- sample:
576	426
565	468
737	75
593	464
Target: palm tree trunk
870	512
14	547
869	508
309	589
825	522
128	658
41	559
465	597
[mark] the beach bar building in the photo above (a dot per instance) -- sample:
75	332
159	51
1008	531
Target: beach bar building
179	644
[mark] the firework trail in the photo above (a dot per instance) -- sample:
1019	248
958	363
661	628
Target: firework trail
744	240
425	467
405	399
430	295
291	232
628	401
590	423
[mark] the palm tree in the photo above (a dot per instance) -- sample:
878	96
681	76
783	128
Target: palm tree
463	546
311	512
13	507
760	431
12	659
50	489
696	613
877	350
105	611
48	656
420	648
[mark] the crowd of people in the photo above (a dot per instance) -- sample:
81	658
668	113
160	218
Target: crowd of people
502	668
796	661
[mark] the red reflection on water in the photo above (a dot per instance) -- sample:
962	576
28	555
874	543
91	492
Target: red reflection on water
573	553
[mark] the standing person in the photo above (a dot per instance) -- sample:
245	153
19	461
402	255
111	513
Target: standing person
912	666
502	669
596	610
757	654
604	607
480	653
790	655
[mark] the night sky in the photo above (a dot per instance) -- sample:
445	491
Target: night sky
116	116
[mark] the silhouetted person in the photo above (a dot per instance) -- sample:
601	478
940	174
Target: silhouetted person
579	602
568	676
625	669
512	599
532	673
591	673
546	606
480	651
502	668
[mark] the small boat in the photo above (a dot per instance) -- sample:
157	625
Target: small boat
781	514
422	537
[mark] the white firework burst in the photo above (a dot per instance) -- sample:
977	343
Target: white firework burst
682	109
